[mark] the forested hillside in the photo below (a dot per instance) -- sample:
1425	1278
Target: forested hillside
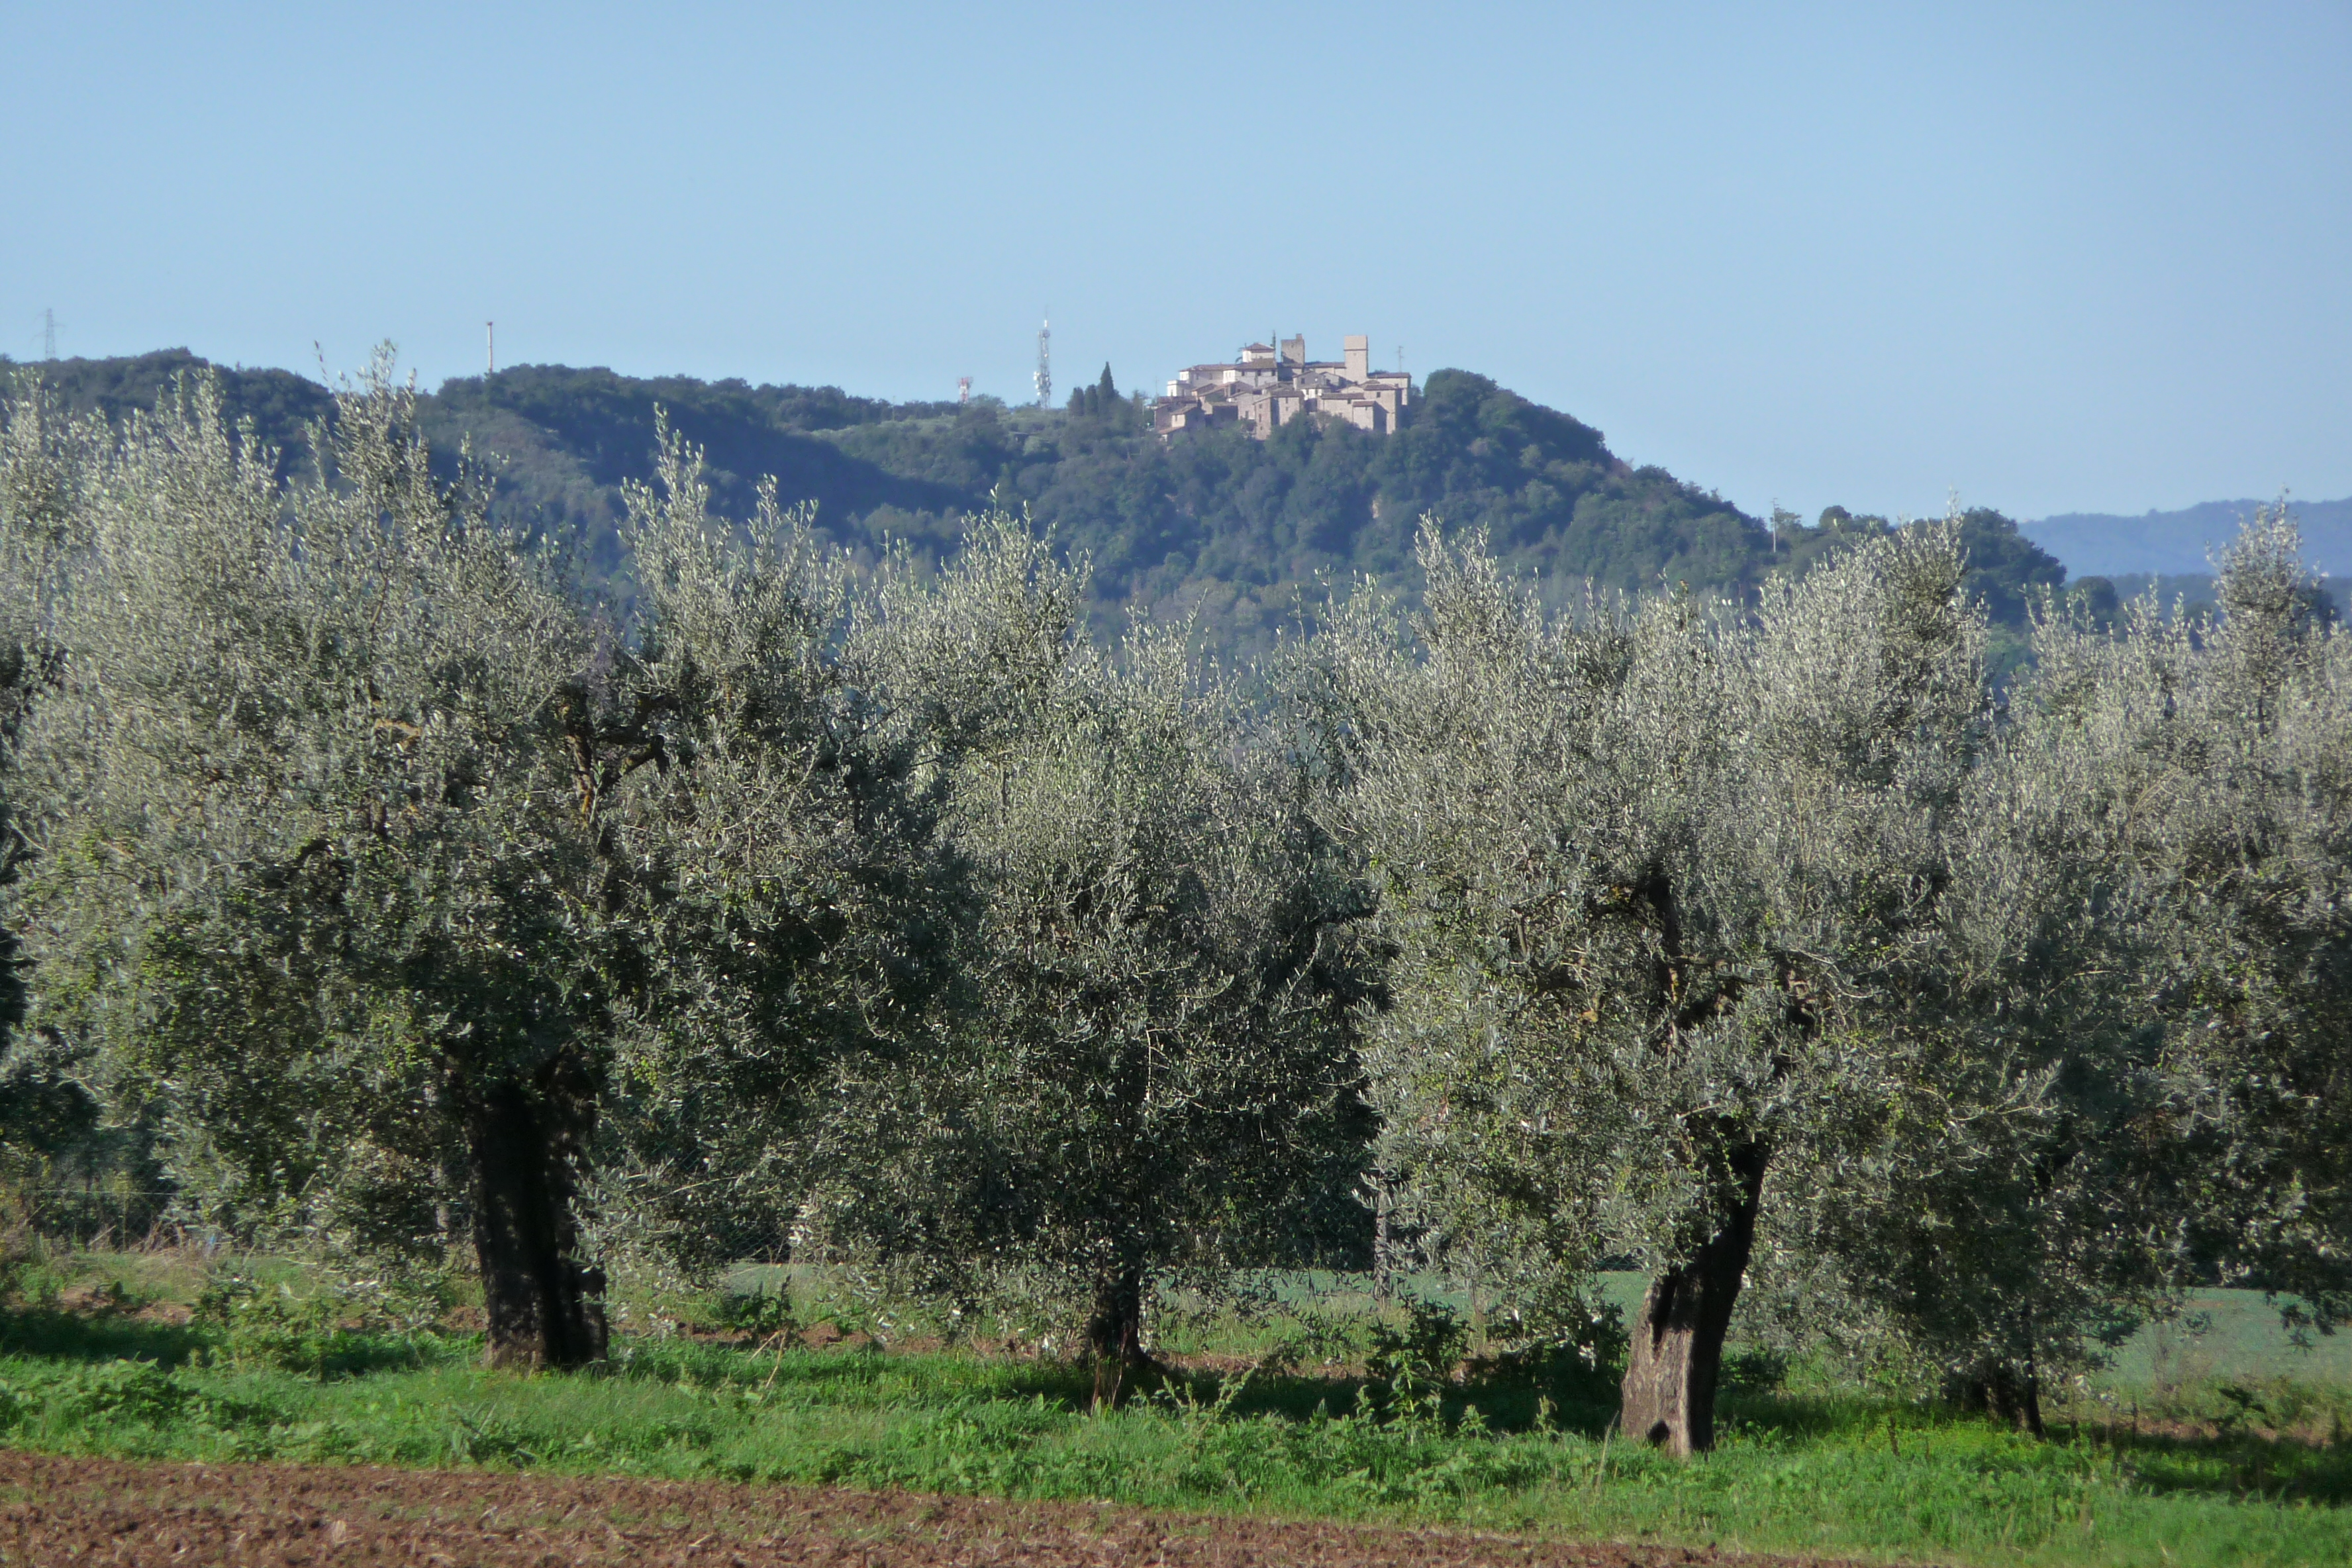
1242	532
1237	529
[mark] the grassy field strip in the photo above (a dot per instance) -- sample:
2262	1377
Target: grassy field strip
102	1362
1823	1476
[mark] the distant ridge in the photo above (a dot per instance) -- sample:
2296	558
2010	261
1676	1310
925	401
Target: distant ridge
2180	543
1238	537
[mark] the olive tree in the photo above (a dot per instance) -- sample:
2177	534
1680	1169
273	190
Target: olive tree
803	907
2230	746
323	786
45	460
2151	948
2272	915
2018	1203
1665	885
1151	1064
384	866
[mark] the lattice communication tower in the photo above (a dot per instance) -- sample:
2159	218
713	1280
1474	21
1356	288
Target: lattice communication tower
1045	363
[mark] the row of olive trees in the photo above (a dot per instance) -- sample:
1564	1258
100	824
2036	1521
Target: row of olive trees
401	891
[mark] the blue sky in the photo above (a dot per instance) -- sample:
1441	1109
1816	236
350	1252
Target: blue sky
2053	257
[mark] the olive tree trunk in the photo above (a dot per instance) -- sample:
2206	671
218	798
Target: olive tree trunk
544	1307
1676	1348
2007	1389
2007	1394
1114	1337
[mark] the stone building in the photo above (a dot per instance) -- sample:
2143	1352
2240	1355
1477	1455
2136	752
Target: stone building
1268	385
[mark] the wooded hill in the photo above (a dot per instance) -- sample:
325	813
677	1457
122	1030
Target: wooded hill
1242	532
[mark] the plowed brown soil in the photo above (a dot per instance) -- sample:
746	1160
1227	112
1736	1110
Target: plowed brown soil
86	1511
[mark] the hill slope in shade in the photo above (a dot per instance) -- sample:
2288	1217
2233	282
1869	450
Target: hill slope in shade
2181	544
281	405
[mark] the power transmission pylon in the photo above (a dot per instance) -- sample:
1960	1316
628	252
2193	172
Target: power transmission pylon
1045	363
48	334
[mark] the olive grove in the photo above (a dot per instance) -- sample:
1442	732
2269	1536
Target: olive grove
411	900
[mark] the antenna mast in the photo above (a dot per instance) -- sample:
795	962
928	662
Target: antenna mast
49	334
964	389
490	345
1045	363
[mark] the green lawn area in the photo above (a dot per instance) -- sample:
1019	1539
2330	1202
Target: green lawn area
1819	1471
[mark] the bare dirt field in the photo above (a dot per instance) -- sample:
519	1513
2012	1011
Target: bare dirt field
90	1511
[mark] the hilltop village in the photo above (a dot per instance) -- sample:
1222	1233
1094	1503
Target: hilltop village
1267	387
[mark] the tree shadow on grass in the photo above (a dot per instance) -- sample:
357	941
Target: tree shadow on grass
345	1354
54	1334
2243	1465
47	1333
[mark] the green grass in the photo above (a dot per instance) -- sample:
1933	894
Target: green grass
1831	1473
2228	1335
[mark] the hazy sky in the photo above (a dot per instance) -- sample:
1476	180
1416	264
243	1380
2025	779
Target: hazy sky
2055	257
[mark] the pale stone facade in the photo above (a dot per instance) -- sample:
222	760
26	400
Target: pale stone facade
1267	387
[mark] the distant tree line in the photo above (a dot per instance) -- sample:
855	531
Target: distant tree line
404	899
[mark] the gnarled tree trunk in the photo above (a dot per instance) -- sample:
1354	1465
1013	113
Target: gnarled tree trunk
1677	1336
544	1307
1115	1336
